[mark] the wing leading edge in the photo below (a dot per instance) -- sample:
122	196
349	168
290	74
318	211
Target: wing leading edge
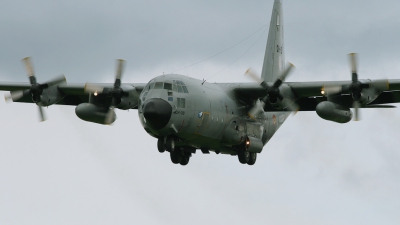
309	94
73	94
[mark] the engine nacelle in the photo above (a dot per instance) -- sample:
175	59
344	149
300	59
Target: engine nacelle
254	144
333	112
50	96
130	101
93	113
127	103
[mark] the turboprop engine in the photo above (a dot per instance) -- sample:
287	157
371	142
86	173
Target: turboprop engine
129	99
43	94
93	113
333	112
273	94
122	97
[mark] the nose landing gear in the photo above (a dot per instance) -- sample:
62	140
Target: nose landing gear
178	155
161	144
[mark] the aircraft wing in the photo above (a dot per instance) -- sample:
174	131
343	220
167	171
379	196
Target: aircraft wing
74	93
308	94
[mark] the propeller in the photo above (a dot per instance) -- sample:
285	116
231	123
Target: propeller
116	93
273	92
36	89
356	87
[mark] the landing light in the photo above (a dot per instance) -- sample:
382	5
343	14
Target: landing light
323	92
247	142
95	93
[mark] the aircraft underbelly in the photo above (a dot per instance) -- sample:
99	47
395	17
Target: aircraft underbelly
211	113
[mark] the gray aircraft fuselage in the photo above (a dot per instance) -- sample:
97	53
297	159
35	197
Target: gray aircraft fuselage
203	115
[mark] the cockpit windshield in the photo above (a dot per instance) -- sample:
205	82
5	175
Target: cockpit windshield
158	85
177	86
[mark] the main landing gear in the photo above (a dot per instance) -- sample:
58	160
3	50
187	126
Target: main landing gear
246	157
179	155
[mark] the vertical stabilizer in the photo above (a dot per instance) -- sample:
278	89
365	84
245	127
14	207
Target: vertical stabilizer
274	59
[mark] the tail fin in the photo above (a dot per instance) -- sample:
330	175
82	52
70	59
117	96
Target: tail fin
274	59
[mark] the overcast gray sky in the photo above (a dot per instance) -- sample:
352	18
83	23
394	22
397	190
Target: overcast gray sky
66	171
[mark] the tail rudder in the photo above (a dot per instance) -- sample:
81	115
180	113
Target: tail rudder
274	59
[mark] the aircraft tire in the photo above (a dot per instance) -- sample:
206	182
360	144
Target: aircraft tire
252	158
176	157
170	145
160	145
243	156
185	160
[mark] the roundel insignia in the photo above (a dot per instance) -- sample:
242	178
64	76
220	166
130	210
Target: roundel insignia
200	114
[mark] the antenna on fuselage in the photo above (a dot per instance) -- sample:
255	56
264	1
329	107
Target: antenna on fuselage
203	81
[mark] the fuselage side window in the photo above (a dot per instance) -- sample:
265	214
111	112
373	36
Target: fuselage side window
181	103
158	85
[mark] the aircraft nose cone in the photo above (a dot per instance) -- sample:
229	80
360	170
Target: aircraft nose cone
157	113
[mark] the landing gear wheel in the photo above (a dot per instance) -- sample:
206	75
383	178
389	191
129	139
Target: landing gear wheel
252	158
185	159
243	156
161	145
170	144
176	157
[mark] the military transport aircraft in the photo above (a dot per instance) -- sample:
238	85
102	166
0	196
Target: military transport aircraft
187	114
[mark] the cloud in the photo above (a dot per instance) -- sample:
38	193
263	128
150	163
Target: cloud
311	172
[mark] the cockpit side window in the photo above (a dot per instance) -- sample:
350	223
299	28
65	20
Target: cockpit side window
151	86
146	87
179	86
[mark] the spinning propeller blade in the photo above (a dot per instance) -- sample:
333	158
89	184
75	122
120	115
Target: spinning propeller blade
251	74
41	114
116	93
93	88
